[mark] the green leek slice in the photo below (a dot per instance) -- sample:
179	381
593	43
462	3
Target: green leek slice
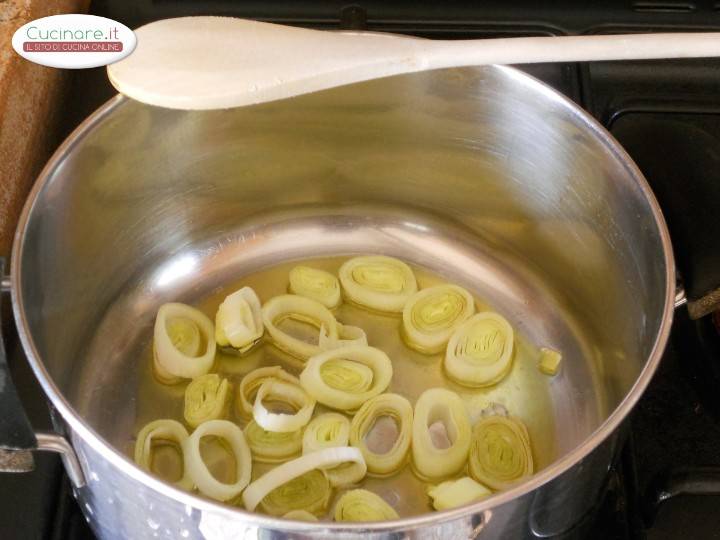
549	361
286	472
438	405
480	351
363	505
316	284
183	343
290	306
500	453
309	492
272	446
280	391
198	471
431	315
453	493
400	411
328	430
347	377
332	430
166	431
377	282
206	398
238	321
247	390
347	337
300	515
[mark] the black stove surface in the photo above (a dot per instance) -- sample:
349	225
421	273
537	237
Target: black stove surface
666	481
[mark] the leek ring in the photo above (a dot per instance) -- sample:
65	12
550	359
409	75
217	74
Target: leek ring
431	315
178	356
165	430
440	405
272	446
399	409
206	398
247	390
363	505
290	306
316	284
198	471
290	393
378	282
238	321
480	351
500	452
347	377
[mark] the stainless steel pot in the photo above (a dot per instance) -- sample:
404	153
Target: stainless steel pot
484	174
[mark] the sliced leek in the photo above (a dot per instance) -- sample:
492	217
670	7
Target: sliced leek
238	321
438	406
291	394
431	315
331	430
347	377
247	390
347	337
299	308
327	430
310	492
480	351
316	284
363	505
206	398
165	431
549	361
300	515
183	343
378	282
272	446
286	472
198	471
399	410
458	492
500	453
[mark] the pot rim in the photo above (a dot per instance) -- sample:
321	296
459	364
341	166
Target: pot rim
555	469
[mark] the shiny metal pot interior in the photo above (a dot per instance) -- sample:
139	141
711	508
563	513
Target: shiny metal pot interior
484	175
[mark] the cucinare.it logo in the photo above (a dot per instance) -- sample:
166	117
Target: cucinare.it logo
74	41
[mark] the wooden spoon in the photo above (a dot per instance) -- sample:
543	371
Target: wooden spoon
222	62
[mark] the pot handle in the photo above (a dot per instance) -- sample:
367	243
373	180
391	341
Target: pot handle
18	440
694	481
662	148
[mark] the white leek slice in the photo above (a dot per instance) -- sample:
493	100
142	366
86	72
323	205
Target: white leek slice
250	383
238	321
431	315
347	337
316	284
300	515
363	505
438	406
331	430
272	446
399	410
183	342
549	363
347	377
198	471
480	351
206	398
310	492
378	282
458	492
166	431
307	310
280	391
500	452
282	474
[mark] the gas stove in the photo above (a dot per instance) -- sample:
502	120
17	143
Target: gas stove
666	482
